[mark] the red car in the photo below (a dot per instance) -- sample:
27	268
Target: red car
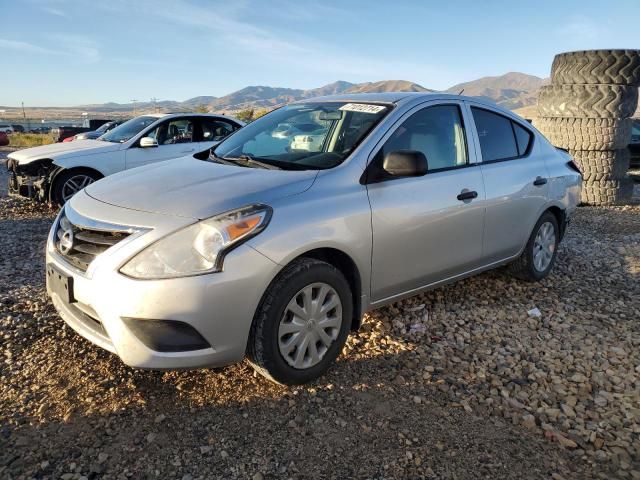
4	139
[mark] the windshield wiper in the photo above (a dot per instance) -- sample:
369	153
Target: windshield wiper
251	161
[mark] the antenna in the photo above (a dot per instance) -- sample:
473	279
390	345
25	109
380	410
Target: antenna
460	92
134	100
154	100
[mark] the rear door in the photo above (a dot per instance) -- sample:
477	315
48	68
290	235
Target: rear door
175	139
429	228
210	130
515	179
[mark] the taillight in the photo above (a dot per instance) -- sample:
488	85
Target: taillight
573	165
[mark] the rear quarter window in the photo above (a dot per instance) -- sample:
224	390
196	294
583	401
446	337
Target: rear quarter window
500	137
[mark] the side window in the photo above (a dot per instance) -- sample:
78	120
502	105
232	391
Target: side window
175	131
500	137
437	132
214	130
497	141
523	138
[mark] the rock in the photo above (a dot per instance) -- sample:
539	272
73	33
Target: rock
102	457
160	418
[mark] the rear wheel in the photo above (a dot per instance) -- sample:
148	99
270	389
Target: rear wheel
68	183
302	323
539	254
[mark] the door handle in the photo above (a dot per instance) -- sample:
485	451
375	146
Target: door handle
188	150
539	181
467	195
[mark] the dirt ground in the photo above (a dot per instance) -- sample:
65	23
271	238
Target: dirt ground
457	383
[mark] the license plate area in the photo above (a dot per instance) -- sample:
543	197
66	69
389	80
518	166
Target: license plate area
60	284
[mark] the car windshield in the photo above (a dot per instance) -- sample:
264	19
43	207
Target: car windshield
310	136
128	129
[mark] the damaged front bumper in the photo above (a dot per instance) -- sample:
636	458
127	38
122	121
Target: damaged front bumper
32	180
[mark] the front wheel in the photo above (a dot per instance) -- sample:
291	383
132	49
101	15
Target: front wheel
68	183
302	323
539	254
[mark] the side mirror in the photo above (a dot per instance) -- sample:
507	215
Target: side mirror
147	142
405	163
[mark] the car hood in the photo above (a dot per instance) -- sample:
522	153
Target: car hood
58	151
188	187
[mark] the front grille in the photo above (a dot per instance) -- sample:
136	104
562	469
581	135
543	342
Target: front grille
80	245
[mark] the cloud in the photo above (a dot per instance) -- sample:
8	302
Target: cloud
74	46
56	12
78	46
229	24
579	29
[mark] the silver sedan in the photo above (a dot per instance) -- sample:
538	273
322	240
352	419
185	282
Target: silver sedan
275	251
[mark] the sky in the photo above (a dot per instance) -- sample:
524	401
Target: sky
70	52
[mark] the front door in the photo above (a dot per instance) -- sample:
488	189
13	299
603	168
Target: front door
427	229
175	139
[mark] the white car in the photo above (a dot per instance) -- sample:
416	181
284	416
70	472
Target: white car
54	173
6	128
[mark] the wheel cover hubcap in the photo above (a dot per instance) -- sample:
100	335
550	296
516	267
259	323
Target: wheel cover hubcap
74	185
544	246
310	324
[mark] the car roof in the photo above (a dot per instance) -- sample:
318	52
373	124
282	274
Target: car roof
192	114
397	98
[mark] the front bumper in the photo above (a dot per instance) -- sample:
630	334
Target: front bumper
31	184
219	306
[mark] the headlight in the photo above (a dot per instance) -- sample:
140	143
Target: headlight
198	248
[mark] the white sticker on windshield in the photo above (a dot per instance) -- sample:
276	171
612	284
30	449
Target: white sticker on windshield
362	107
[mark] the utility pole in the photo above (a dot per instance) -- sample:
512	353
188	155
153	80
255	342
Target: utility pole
24	117
134	100
154	100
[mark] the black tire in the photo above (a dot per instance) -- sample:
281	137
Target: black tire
587	101
602	165
262	349
607	192
586	133
524	268
63	177
620	67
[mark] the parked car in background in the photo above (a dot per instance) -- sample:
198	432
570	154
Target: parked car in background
276	253
634	146
18	128
40	130
88	125
101	130
53	173
4	139
4	128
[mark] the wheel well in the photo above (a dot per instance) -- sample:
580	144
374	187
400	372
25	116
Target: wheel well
348	268
57	172
560	216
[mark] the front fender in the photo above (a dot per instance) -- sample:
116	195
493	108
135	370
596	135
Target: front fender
103	163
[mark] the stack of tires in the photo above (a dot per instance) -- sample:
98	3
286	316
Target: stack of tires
586	110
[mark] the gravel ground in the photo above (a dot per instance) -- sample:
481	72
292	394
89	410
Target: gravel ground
457	383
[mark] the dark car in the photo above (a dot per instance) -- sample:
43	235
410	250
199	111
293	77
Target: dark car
634	145
18	128
101	130
64	132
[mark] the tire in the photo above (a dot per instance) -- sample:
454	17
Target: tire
526	266
607	192
586	133
264	349
61	183
602	165
619	67
587	101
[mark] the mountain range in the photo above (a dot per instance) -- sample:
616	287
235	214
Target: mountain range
513	90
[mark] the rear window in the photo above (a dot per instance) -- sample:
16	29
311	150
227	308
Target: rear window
500	138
